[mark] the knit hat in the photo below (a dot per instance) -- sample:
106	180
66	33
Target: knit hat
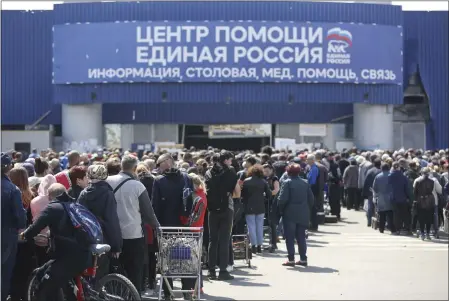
97	172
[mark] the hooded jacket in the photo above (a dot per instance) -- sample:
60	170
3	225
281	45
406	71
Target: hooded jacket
99	199
220	182
39	203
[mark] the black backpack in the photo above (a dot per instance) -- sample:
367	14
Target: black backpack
217	196
426	199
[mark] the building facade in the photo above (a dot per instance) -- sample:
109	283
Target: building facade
120	74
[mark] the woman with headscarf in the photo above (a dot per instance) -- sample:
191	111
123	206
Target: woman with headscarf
38	204
25	251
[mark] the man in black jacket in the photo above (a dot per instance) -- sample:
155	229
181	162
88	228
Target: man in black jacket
367	189
99	198
69	257
222	186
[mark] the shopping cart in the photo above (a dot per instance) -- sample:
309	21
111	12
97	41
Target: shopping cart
180	257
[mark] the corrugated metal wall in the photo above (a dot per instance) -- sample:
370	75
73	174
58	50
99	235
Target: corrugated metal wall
26	68
223	113
228	10
426	33
236	92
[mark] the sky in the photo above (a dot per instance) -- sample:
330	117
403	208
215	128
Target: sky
406	5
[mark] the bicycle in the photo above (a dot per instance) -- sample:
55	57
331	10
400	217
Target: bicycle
85	287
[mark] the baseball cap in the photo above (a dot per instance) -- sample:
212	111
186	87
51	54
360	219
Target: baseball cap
6	159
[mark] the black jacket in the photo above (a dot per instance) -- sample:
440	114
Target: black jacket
62	231
255	192
99	199
167	198
75	191
369	181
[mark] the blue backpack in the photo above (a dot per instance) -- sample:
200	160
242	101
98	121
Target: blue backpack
87	227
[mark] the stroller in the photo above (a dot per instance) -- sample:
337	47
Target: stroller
240	239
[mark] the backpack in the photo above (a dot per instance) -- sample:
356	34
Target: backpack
86	225
217	196
426	200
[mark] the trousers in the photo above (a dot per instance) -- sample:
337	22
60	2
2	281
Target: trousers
220	228
132	258
402	216
294	231
56	273
383	217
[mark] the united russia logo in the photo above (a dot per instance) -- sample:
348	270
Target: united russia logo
339	40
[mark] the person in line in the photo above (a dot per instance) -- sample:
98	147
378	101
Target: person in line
400	198
69	257
382	197
168	203
25	251
99	198
350	182
78	178
133	209
13	219
273	218
38	204
322	181
73	159
426	190
255	191
295	201
222	186
149	279
41	167
412	174
334	188
243	174
367	189
313	180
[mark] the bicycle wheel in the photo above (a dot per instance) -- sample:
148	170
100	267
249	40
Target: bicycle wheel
33	287
119	286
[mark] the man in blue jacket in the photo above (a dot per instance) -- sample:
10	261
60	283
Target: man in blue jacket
13	219
400	196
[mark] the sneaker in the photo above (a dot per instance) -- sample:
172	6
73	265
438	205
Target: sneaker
147	293
187	296
301	263
212	275
230	268
259	249
423	237
428	237
225	276
289	264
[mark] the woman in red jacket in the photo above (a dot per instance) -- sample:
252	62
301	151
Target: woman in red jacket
199	207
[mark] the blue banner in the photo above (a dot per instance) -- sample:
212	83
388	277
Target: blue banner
234	51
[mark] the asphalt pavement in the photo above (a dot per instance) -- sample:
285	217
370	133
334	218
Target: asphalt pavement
347	261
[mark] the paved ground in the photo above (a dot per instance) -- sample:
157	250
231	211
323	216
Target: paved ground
346	261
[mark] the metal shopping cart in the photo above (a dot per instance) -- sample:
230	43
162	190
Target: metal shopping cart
180	256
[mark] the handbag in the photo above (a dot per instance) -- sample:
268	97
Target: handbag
365	205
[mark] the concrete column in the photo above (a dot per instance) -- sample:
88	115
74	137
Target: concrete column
373	126
82	126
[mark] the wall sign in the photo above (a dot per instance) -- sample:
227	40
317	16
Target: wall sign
227	51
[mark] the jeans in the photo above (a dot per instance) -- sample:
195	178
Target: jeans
370	211
9	252
132	258
220	228
255	228
294	231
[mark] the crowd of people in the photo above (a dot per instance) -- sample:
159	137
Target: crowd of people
133	194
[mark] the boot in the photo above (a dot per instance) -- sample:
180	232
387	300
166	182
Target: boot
253	249
259	249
